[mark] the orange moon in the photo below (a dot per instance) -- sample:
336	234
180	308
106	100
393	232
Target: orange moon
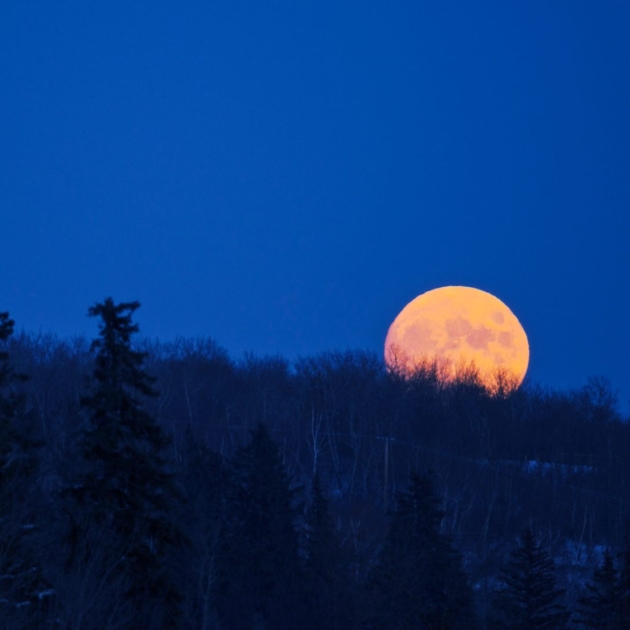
459	328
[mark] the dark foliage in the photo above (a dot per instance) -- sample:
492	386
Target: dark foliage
127	484
529	597
624	581
601	608
24	593
90	424
419	581
260	581
203	516
327	572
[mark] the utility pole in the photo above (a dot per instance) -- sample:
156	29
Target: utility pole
385	475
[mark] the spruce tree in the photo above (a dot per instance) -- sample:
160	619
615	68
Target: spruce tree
327	583
529	598
601	607
204	478
624	582
15	455
259	572
127	484
419	581
23	591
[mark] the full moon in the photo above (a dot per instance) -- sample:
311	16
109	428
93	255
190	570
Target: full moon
459	328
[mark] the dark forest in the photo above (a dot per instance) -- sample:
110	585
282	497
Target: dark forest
165	485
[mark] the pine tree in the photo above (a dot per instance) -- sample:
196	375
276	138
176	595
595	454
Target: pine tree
12	442
204	478
529	598
601	606
127	484
624	582
419	581
23	591
327	584
259	581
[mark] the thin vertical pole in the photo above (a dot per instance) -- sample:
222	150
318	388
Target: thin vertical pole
385	474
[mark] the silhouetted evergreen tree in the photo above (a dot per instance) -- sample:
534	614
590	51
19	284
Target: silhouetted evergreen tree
601	607
17	457
329	595
23	590
260	579
624	581
419	581
127	484
204	478
529	598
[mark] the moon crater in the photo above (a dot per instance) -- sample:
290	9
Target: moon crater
459	326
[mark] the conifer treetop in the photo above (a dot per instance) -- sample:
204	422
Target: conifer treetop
530	598
116	362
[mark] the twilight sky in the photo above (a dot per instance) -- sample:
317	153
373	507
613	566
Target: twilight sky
284	176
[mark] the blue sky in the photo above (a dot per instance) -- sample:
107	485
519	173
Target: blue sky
285	176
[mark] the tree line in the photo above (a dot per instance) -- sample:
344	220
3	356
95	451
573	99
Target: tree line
166	486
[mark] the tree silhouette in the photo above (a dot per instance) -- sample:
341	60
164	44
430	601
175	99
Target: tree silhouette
529	598
260	582
204	478
23	590
601	606
329	593
419	581
624	579
126	483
